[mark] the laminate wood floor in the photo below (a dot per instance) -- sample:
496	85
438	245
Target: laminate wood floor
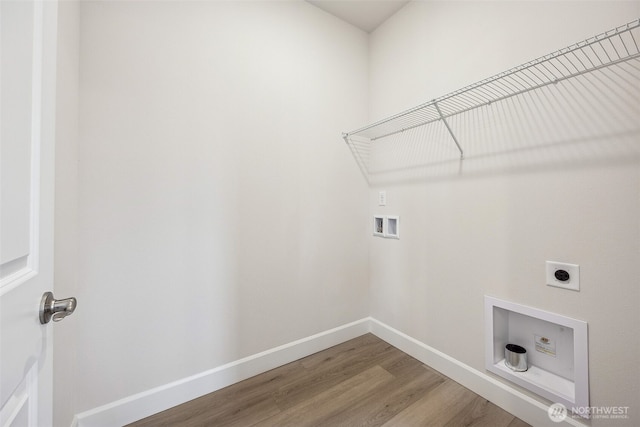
362	382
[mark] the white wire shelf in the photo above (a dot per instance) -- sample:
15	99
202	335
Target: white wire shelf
594	81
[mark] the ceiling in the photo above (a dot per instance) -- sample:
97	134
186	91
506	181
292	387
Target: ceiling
364	14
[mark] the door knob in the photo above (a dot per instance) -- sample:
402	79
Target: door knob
56	309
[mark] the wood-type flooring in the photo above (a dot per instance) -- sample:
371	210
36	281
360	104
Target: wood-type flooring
362	382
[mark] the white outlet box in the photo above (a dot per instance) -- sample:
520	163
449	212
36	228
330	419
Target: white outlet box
563	275
378	225
387	226
392	229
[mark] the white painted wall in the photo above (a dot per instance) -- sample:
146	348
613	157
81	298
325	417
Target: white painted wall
220	213
66	208
470	235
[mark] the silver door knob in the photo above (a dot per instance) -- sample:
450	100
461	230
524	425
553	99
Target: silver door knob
56	309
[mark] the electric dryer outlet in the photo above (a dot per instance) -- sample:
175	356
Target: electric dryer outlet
563	275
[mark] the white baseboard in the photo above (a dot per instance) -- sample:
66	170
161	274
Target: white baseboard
141	405
508	398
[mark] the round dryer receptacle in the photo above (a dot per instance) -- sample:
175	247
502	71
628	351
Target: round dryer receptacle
562	275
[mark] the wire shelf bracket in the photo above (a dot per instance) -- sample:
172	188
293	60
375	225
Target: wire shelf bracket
444	121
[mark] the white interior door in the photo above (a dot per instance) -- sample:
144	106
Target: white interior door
27	116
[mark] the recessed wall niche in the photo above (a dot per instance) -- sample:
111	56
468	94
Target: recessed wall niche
557	351
387	226
393	227
378	225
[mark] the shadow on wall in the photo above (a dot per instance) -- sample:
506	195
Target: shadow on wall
576	107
